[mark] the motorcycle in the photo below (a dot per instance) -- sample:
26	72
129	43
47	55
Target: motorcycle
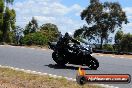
75	54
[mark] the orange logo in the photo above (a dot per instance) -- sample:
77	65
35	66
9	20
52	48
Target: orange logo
81	72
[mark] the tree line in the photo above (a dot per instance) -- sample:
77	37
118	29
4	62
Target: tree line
35	35
102	20
123	42
32	34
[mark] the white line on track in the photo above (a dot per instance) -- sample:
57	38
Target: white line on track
12	46
32	48
22	47
112	56
101	55
92	54
1	45
121	57
43	49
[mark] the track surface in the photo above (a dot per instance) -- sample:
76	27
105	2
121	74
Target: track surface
40	60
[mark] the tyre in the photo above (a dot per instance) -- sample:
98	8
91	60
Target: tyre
93	63
81	80
59	59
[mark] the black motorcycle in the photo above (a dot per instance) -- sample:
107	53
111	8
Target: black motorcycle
73	53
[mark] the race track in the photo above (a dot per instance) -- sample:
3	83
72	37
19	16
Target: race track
40	60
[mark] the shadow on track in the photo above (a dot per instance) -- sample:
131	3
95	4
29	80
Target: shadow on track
55	66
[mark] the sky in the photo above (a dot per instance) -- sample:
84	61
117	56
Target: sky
64	13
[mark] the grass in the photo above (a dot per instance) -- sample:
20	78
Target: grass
17	79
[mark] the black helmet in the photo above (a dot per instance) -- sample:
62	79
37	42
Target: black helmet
66	34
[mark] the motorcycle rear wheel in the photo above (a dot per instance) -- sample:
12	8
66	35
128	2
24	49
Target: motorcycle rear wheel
93	63
59	59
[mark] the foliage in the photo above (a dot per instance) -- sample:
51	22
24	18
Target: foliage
36	38
9	1
119	36
11	38
126	43
108	47
31	27
0	36
51	31
79	32
123	42
103	19
47	32
12	19
1	13
18	34
7	18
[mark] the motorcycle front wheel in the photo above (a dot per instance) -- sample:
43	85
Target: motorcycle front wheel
59	59
93	63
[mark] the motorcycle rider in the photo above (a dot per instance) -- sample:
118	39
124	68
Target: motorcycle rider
76	55
63	43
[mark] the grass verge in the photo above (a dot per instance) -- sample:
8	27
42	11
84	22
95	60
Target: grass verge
17	79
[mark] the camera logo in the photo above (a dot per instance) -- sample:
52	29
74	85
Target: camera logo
83	78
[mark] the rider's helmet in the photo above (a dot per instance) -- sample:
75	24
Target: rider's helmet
66	38
66	34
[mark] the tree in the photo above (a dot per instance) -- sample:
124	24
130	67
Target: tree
37	38
1	13
7	18
51	30
79	33
118	36
31	27
123	41
18	34
8	23
126	43
34	25
103	19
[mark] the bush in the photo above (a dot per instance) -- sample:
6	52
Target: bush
0	36
108	47
10	37
36	38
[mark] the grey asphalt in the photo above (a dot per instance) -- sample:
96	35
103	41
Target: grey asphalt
40	60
